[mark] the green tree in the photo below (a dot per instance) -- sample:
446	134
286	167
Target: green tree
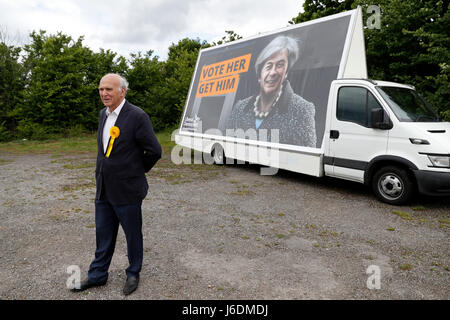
11	87
314	9
179	70
58	86
412	45
145	78
62	77
228	37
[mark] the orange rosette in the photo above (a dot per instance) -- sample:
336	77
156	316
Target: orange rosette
114	132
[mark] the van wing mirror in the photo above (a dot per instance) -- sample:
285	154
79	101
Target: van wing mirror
380	119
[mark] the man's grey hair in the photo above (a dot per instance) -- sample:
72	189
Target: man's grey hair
277	44
123	82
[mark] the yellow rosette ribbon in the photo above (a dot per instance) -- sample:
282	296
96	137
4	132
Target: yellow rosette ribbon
114	132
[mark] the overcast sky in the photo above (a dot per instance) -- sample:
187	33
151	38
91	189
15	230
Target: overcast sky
126	26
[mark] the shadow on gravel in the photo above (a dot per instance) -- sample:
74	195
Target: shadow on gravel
343	186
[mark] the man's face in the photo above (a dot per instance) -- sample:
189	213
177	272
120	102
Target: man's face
109	91
273	72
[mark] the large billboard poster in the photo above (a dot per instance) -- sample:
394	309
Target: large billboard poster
276	81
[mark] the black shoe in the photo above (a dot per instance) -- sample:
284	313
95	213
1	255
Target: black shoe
85	284
130	285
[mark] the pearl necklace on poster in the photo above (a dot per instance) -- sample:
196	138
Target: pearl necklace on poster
260	114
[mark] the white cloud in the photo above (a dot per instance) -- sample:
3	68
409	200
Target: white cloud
129	26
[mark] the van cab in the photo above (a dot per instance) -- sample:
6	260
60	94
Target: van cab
385	135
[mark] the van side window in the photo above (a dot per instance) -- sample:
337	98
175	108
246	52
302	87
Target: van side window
355	105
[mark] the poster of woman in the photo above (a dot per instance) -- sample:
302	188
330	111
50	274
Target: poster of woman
272	87
276	106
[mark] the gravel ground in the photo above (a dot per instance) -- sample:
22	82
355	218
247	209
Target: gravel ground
220	232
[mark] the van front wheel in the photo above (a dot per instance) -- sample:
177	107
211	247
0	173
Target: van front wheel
393	185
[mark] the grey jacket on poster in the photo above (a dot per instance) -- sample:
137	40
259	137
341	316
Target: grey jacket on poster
292	115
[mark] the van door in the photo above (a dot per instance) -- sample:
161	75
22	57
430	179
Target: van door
353	143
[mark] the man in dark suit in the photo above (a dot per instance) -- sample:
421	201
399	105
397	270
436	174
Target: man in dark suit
121	181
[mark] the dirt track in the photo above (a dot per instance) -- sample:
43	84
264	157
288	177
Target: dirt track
221	233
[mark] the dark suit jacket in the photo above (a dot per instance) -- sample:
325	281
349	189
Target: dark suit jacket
121	177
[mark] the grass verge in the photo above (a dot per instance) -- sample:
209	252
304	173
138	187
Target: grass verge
83	144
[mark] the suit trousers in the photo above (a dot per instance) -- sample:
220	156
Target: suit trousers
107	220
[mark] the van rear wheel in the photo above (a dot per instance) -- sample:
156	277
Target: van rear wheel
218	154
393	185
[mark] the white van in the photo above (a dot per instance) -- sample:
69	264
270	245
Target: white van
385	135
299	99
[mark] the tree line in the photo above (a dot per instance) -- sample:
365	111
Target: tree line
411	45
50	86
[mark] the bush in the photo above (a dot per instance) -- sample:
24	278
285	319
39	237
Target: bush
446	115
33	131
74	131
5	135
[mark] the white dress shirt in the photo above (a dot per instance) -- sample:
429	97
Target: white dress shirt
111	118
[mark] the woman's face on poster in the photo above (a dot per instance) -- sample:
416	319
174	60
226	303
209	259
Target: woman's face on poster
273	72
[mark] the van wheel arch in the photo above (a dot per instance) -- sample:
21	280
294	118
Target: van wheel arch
384	161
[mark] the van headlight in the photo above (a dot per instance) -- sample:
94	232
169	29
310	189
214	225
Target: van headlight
440	161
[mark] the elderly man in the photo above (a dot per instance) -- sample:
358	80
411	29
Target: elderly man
127	149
